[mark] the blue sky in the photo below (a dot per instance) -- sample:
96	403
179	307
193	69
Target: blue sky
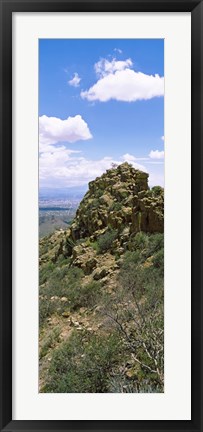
100	101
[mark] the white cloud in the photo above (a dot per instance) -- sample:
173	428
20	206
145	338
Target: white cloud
104	67
118	50
156	154
129	157
118	81
63	168
133	161
75	81
162	137
53	130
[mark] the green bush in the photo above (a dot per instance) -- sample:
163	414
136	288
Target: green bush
85	295
147	244
156	242
49	341
83	364
68	247
105	241
130	259
63	261
45	272
141	322
62	282
158	261
122	384
93	205
45	310
139	242
116	206
157	190
143	278
95	246
99	193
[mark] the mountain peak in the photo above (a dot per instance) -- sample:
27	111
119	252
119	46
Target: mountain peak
120	197
120	201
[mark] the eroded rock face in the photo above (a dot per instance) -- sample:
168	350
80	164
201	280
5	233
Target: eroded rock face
119	197
148	213
119	200
84	257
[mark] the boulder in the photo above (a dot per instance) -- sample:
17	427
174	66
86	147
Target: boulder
100	273
84	257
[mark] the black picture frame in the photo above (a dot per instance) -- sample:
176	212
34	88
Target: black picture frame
7	7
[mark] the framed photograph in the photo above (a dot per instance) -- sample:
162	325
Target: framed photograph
101	206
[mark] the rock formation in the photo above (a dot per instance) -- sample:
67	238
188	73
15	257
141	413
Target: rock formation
119	200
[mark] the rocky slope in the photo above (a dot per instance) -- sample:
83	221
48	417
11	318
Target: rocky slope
117	232
119	200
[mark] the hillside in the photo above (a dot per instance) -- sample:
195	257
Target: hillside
101	290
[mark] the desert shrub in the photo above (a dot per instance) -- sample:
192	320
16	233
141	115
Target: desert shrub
130	259
99	192
95	246
157	190
69	286
93	205
45	272
146	244
46	309
117	256
62	282
63	261
156	242
85	295
105	240
83	364
122	384
143	277
139	242
49	341
158	261
116	206
141	322
68	247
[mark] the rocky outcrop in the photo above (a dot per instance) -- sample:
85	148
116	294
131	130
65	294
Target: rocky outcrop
148	212
120	197
84	257
120	201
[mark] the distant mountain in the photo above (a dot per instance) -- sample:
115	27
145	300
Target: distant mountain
57	208
72	192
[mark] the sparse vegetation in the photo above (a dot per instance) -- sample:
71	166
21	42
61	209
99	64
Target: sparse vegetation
49	341
105	241
101	297
83	364
157	190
